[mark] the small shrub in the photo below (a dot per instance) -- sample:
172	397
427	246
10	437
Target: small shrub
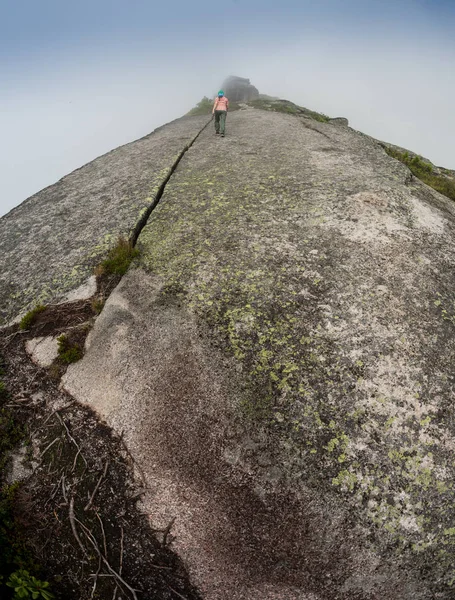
98	304
287	107
321	117
68	352
14	552
28	319
118	259
3	390
27	586
204	107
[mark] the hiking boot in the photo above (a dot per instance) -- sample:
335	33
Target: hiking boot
217	133
222	135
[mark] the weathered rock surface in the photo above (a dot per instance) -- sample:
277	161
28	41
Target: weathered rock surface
339	121
239	89
280	360
43	350
50	243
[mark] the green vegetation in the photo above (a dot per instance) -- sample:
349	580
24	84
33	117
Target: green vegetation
17	568
28	319
27	586
98	304
10	435
118	259
284	106
425	172
67	351
204	107
321	117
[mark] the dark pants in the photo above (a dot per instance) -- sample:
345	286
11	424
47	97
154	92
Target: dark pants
220	121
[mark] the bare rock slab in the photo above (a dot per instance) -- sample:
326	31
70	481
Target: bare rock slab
51	242
42	350
275	363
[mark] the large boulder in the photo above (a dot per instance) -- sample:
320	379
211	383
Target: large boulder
239	89
280	361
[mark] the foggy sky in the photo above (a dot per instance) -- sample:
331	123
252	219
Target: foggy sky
78	80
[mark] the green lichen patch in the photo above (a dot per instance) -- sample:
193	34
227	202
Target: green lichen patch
333	326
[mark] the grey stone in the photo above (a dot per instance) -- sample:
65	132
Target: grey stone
344	343
339	121
84	291
50	243
239	89
43	350
20	467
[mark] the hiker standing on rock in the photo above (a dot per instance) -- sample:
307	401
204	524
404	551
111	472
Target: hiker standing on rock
220	108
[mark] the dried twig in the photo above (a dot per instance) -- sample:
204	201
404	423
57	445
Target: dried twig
167	530
89	503
92	540
73	526
133	462
8	337
64	489
54	413
70	436
121	552
56	488
50	446
95	581
176	593
75	460
104	535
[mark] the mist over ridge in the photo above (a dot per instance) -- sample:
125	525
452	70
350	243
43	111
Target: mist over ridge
75	89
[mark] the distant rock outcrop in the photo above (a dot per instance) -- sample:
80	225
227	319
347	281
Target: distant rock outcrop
239	89
340	121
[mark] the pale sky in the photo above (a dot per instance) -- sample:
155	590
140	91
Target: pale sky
79	79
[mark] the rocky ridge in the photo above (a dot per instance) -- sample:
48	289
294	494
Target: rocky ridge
274	362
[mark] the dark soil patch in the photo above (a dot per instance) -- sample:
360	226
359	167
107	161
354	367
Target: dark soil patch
79	506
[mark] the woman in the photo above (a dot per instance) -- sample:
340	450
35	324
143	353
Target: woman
220	108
